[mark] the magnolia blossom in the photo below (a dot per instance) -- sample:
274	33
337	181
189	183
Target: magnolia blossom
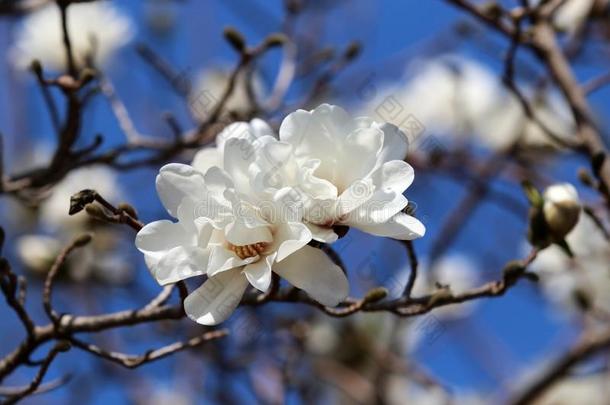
210	85
456	97
97	30
222	234
353	170
330	167
251	205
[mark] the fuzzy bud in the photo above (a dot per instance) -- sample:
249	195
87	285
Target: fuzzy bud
376	294
561	209
235	38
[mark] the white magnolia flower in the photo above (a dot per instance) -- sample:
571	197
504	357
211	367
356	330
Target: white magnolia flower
457	97
347	172
561	208
210	85
221	233
587	272
330	168
96	29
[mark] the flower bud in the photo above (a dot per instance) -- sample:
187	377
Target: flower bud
561	209
235	38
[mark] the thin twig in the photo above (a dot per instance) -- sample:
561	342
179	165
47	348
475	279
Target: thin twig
134	361
59	347
413	274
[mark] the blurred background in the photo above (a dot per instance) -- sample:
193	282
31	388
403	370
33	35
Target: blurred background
425	66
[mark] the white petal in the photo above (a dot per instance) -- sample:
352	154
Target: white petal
236	130
238	155
359	154
395	176
157	238
324	234
389	182
259	273
207	158
318	134
320	211
217	180
217	298
177	181
239	233
222	259
315	187
358	193
260	128
395	144
311	270
180	263
288	238
400	226
249	131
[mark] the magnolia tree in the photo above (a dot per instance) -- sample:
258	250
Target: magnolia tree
284	178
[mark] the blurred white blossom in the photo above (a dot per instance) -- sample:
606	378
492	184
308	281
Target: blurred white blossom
590	389
400	388
457	97
572	14
37	252
97	29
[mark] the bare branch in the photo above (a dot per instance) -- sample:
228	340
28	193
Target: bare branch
134	361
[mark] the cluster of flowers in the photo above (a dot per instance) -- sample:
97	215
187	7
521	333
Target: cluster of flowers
253	204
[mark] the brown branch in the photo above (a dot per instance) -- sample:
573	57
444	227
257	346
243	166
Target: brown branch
59	262
579	353
14	292
414	265
42	388
412	306
59	347
134	361
70	63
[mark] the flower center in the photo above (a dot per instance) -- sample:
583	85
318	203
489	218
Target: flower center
243	252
